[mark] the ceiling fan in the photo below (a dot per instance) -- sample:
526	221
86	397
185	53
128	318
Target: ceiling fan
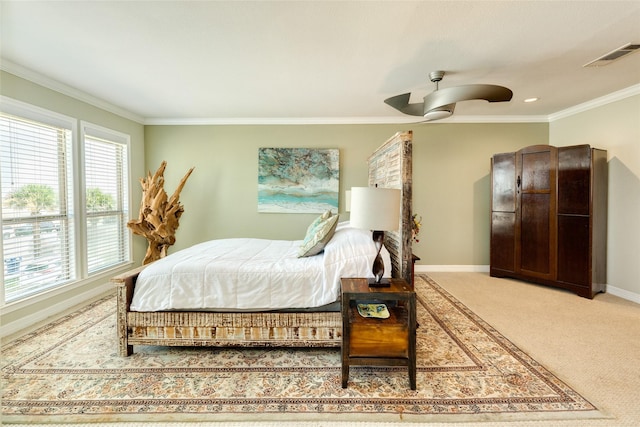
440	103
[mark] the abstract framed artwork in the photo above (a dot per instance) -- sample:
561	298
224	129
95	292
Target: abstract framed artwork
298	180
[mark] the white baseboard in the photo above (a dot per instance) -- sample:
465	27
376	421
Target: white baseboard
624	294
54	310
452	268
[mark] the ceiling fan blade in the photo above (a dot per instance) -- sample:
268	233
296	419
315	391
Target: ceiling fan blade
451	95
401	103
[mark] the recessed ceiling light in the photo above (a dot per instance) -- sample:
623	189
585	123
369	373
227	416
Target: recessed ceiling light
531	100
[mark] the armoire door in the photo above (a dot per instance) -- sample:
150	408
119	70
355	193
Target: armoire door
574	209
503	213
536	222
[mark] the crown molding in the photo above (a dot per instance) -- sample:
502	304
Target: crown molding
598	102
275	121
49	83
339	120
492	119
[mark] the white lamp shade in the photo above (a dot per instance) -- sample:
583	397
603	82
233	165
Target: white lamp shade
375	208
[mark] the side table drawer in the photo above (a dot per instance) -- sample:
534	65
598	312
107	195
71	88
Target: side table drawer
379	337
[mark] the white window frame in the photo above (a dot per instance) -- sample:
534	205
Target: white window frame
92	130
78	216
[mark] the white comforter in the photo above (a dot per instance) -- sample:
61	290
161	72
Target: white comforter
254	274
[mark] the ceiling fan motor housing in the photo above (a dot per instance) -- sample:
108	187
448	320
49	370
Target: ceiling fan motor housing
436	76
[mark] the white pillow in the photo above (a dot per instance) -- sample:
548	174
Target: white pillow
318	235
343	225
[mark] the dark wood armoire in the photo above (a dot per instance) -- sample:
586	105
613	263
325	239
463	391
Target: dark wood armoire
549	217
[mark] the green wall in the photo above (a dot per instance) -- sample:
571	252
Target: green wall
451	164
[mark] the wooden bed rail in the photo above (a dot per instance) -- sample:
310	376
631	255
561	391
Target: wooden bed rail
125	283
219	329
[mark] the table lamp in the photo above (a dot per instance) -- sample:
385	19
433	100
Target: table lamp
376	209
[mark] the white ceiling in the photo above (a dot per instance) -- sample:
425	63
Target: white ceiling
306	61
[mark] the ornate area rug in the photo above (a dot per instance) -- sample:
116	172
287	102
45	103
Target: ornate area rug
69	371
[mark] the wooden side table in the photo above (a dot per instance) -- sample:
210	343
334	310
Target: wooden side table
378	342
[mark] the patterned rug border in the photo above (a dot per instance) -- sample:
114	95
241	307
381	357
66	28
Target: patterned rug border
311	409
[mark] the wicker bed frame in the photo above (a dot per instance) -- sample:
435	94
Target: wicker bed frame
389	167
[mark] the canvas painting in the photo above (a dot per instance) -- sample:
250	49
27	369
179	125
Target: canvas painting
298	180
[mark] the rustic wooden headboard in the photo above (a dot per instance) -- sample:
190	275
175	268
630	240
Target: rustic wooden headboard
390	166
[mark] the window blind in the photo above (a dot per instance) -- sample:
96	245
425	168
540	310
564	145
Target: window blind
37	200
106	201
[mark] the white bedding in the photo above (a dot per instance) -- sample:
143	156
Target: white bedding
255	274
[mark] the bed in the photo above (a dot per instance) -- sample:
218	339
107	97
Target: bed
259	318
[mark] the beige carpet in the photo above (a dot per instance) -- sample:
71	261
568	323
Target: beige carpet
594	345
68	371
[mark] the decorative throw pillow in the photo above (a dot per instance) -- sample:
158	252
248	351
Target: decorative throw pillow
318	235
317	221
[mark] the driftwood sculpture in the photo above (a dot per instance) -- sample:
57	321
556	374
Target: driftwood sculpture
159	216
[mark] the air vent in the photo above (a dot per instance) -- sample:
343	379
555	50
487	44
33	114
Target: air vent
613	55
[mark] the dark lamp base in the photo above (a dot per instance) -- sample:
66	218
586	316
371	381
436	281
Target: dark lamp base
383	283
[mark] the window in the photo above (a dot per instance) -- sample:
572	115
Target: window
37	201
49	237
106	198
